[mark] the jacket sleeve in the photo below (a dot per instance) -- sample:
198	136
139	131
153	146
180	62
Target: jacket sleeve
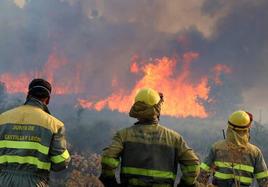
189	163
206	167
110	161
59	154
260	170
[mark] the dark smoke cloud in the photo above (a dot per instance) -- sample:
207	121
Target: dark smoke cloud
241	41
102	36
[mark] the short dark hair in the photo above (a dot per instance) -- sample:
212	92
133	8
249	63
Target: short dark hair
39	88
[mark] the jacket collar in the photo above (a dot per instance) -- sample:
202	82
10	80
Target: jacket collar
240	138
36	103
147	122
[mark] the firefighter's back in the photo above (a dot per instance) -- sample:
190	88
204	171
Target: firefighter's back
233	160
149	155
25	136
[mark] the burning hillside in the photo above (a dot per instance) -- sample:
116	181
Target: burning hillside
184	96
84	49
173	77
17	83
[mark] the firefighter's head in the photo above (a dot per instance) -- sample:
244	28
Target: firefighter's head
147	105
240	120
148	96
40	89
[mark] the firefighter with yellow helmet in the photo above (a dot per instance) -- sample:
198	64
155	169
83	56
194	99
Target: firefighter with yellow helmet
149	153
234	161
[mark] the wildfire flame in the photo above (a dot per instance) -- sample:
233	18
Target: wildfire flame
18	83
183	98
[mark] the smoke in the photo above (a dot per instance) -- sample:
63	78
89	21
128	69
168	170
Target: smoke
7	101
241	41
20	3
100	38
2	96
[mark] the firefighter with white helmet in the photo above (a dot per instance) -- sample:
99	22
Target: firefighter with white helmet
148	152
234	161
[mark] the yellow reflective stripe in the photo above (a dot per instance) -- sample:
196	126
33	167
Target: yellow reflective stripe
149	173
246	180
60	158
189	169
242	167
24	145
25	160
261	175
112	162
189	180
204	166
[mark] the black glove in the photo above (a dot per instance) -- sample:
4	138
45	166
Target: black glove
109	182
183	184
161	96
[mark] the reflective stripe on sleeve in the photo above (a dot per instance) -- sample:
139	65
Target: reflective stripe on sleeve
148	173
241	167
24	145
189	169
112	162
205	167
60	158
225	176
25	160
261	175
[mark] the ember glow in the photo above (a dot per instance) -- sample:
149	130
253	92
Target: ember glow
182	97
18	83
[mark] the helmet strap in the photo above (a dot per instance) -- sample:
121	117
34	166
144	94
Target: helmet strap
239	127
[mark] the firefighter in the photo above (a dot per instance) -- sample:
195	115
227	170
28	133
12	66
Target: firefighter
234	161
32	142
149	153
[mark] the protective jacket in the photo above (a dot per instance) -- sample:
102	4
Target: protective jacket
32	143
234	162
149	155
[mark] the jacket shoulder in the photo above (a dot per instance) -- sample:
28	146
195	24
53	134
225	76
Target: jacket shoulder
170	132
254	149
221	144
26	115
55	123
6	116
42	118
160	128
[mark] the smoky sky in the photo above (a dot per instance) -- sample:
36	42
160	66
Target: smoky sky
102	36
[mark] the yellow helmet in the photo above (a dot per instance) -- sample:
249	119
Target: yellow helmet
148	96
240	120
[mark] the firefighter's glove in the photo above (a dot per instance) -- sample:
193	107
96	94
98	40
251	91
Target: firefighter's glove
161	96
109	182
183	184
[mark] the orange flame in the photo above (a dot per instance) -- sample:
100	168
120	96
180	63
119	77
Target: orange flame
182	97
19	83
15	84
134	68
